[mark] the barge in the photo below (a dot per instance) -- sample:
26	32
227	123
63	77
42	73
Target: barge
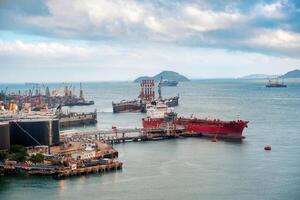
77	119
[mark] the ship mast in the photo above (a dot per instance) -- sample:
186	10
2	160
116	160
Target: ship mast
81	92
159	88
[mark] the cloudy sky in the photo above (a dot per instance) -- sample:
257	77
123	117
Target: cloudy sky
100	40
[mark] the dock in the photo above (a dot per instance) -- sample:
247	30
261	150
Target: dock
130	134
55	172
113	166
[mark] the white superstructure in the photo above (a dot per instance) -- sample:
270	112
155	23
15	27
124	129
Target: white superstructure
158	110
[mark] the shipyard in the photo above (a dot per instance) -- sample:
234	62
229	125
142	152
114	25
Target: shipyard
149	100
51	149
30	126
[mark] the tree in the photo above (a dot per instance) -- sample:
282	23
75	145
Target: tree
18	153
3	155
37	158
16	149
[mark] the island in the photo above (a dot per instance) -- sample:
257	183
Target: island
166	75
291	74
259	76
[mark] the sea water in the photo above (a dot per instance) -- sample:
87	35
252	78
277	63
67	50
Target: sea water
189	168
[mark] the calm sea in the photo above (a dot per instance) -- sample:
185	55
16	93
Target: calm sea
191	168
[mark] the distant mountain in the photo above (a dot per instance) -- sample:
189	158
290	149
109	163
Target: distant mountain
138	80
259	76
168	75
292	74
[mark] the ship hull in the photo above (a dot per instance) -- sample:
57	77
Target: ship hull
276	86
85	103
169	83
132	106
208	128
138	106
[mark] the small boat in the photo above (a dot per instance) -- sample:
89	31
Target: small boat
168	83
275	84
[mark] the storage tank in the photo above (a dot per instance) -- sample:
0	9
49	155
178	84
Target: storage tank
4	135
34	132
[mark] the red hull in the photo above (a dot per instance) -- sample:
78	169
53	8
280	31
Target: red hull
210	128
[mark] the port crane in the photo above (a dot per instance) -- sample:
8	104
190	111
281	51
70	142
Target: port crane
56	91
4	95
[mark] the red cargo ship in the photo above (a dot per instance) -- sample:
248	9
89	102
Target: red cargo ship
206	127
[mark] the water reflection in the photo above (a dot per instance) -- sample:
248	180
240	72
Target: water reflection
61	184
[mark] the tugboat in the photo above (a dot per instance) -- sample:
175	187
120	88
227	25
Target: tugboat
275	84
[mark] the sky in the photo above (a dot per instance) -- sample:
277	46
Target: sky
103	40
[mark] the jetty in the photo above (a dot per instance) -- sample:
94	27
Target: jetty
121	135
112	166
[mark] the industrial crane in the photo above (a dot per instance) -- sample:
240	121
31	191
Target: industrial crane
56	91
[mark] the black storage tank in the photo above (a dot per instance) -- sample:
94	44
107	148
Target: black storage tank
4	135
34	132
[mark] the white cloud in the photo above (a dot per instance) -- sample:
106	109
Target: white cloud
42	49
207	20
132	18
98	11
120	63
275	38
93	17
182	22
273	10
153	24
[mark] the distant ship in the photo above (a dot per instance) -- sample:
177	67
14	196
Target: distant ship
275	83
129	106
168	83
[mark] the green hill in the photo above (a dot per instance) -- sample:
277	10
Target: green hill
292	74
168	75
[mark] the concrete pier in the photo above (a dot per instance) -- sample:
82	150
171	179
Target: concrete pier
114	165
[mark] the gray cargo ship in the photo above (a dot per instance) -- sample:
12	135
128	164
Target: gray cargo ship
147	95
168	83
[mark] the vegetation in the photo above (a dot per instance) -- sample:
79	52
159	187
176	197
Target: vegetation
3	156
17	153
37	158
292	74
168	75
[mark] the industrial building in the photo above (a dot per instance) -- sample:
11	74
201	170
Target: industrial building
4	135
34	132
